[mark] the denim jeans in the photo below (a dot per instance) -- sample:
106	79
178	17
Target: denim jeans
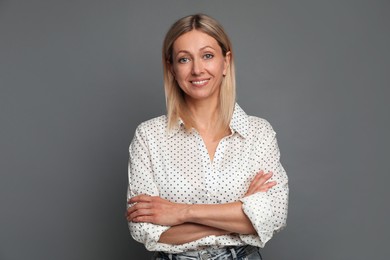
227	253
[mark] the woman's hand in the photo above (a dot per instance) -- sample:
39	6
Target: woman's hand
260	183
153	209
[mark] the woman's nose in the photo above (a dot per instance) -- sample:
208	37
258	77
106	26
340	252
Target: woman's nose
197	67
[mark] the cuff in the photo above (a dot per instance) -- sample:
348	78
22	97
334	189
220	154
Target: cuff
258	209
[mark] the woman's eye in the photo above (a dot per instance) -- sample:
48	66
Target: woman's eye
184	60
208	56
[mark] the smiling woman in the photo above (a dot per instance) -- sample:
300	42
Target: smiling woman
176	105
205	181
198	66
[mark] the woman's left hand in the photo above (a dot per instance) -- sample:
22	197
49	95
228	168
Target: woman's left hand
153	209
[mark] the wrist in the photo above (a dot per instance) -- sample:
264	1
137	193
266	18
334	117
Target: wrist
185	213
188	213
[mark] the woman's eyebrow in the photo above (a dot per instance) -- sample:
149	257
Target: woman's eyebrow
182	51
179	52
187	52
205	47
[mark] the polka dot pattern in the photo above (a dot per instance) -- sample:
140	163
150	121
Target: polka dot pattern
175	165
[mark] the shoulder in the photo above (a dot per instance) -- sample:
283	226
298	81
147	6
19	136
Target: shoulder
248	125
260	127
151	130
259	123
154	127
156	123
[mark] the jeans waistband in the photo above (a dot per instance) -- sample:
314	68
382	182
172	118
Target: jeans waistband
236	252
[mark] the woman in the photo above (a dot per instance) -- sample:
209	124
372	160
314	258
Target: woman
205	181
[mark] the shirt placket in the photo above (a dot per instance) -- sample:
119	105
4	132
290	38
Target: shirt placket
211	168
217	170
206	165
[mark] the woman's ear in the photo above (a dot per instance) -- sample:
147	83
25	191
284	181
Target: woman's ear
226	62
170	68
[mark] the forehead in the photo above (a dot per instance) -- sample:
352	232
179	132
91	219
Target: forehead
193	41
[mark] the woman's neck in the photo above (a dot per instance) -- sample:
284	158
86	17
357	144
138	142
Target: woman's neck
206	118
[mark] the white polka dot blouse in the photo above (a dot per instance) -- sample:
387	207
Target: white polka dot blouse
175	165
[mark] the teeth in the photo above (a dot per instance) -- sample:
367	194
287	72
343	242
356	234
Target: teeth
199	82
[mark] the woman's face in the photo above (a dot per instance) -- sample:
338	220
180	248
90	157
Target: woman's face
199	65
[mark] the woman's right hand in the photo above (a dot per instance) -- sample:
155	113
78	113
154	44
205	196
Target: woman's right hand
260	183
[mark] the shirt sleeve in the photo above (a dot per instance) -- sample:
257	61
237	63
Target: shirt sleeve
268	210
141	181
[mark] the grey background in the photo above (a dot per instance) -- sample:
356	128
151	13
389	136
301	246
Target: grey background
77	77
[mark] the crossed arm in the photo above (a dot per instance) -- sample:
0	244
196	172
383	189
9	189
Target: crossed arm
189	222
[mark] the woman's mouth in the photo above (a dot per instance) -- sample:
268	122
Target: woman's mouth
200	83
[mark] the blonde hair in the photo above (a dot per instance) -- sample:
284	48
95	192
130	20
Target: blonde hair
175	102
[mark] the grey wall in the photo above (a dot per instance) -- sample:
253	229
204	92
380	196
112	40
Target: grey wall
77	77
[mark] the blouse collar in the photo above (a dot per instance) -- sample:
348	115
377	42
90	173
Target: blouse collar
239	123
